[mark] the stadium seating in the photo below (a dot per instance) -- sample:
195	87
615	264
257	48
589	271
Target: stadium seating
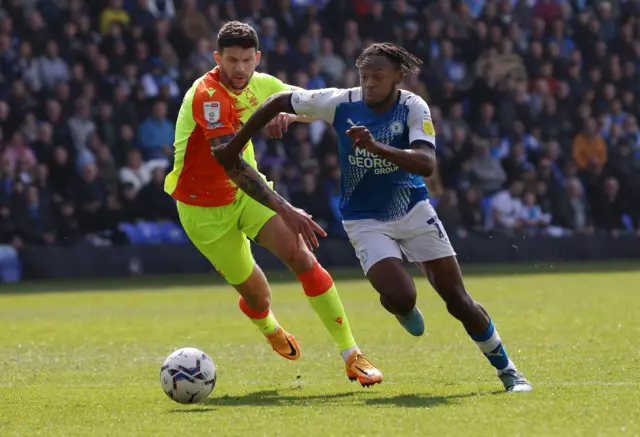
82	84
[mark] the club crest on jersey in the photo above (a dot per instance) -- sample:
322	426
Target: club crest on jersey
212	114
396	128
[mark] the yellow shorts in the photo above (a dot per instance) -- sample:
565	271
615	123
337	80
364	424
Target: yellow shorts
222	234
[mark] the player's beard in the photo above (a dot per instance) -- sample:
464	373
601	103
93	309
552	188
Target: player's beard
241	87
387	101
228	81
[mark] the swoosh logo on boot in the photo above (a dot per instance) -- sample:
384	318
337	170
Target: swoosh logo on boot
362	370
293	349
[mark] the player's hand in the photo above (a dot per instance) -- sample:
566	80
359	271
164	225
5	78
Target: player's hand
302	224
280	125
362	138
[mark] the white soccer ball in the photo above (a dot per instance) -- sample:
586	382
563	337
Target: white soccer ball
188	375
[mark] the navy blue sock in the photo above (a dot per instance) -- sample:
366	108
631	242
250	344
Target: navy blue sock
491	346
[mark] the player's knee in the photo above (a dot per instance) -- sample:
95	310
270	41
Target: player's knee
399	302
460	304
296	257
406	301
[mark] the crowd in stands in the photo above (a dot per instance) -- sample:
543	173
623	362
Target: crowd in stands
535	103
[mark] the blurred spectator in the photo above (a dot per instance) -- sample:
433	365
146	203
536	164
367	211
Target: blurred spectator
34	219
153	201
68	229
506	209
589	149
571	210
312	198
488	172
161	8
17	151
81	125
90	198
114	14
61	173
516	162
192	22
8	227
610	207
531	215
472	213
156	133
449	212
623	167
333	66
107	170
157	78
137	172
53	68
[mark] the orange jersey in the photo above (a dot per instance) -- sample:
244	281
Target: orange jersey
207	112
210	111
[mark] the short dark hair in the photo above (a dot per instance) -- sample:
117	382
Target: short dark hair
237	34
405	61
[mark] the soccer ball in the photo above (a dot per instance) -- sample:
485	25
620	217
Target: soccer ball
188	375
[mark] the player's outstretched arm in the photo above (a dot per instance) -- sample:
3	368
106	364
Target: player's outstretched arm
319	104
299	117
228	155
253	184
248	179
280	124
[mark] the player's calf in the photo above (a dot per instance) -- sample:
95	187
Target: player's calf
461	306
281	341
255	290
255	303
321	292
259	303
445	277
397	293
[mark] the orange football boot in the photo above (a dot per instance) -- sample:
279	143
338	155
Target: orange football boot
360	368
284	344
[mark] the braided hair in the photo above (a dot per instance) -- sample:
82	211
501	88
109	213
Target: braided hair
408	63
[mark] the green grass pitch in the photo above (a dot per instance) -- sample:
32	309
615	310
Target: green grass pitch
86	362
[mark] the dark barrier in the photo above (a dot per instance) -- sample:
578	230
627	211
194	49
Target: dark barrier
87	261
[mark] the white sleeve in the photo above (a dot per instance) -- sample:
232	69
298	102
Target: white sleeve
320	104
419	121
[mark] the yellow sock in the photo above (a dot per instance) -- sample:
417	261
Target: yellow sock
265	321
324	299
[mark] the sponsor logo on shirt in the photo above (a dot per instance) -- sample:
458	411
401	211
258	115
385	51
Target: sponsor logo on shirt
364	159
